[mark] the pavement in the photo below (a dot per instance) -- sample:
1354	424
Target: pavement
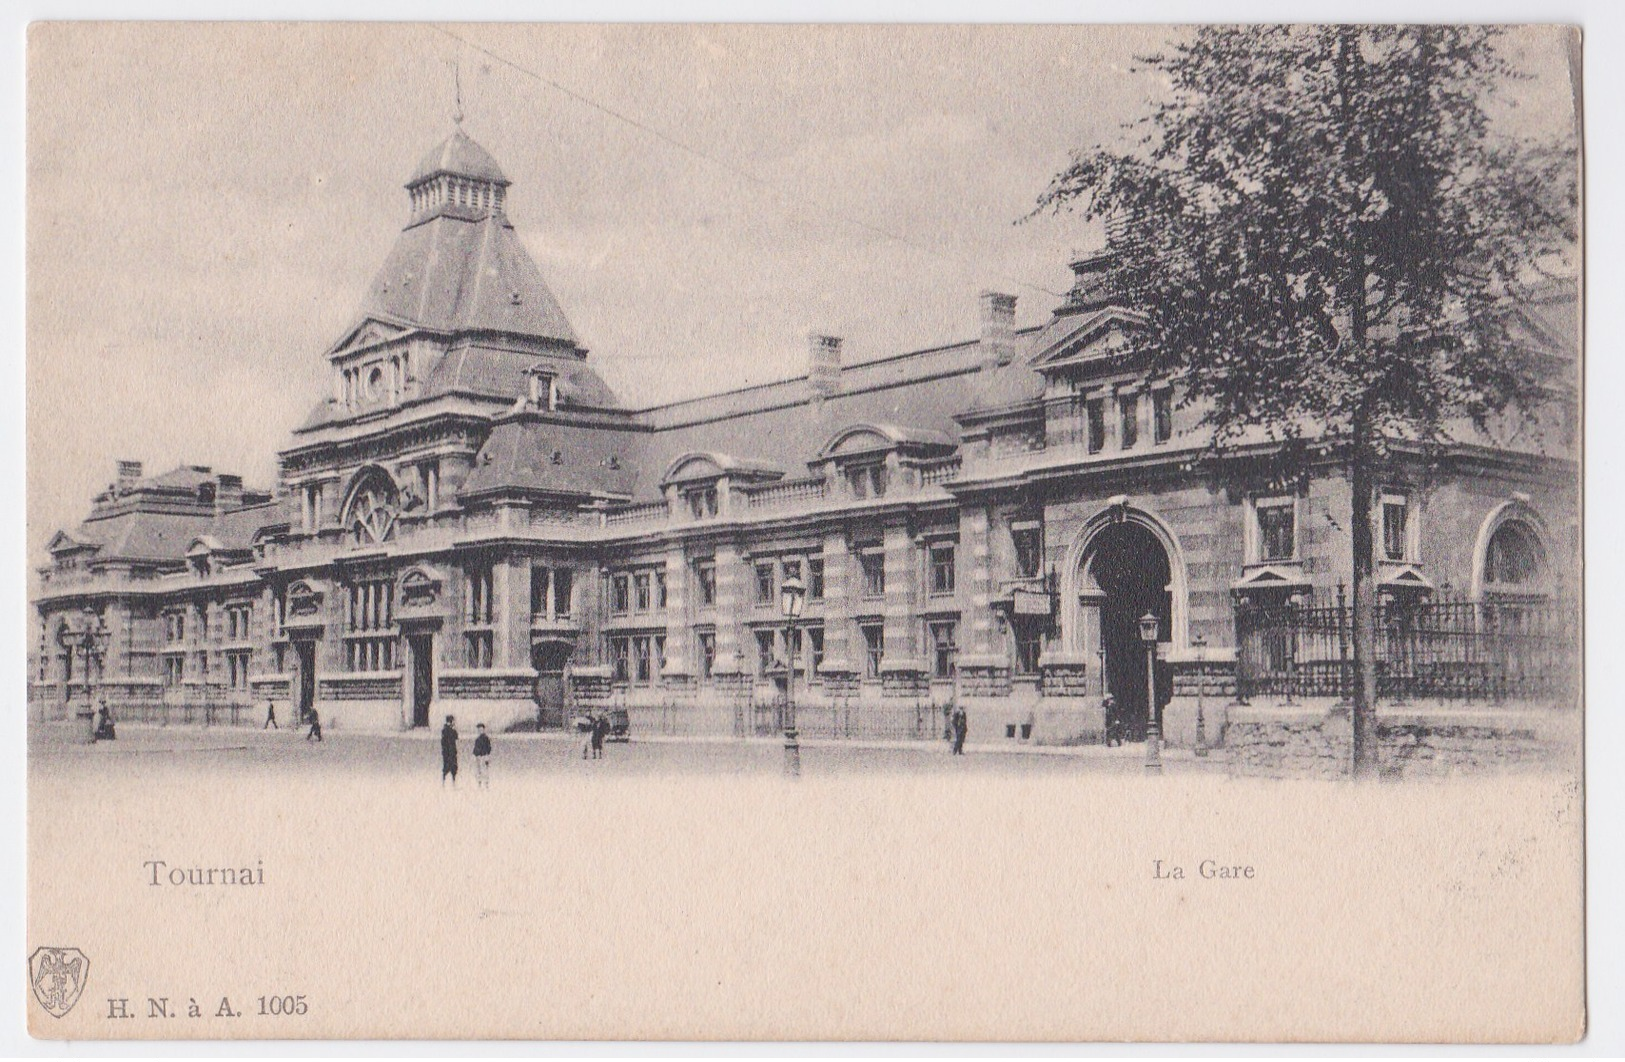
251	749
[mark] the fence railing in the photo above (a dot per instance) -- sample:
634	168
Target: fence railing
1443	648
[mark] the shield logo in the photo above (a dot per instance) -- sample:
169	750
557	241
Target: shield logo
58	976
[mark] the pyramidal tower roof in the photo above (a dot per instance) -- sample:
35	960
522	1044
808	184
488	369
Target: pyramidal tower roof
458	265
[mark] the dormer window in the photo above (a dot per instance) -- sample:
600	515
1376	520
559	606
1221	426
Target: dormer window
702	502
867	480
544	390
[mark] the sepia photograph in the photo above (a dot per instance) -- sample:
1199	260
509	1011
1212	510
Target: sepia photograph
817	532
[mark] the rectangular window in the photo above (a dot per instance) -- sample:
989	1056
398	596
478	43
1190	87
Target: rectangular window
705	575
660	655
815	578
764	582
1277	526
620	656
1395	530
371	604
1162	415
373	653
942	568
641	583
815	647
1029	544
1029	643
174	668
480	609
874	648
792	568
563	592
873	564
708	653
764	651
237	668
942	649
1097	424
640	660
621	594
660	588
479	646
1128	409
868	481
539	578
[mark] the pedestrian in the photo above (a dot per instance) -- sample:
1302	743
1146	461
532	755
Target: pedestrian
448	752
1114	722
961	728
270	715
104	724
586	725
482	758
315	726
600	730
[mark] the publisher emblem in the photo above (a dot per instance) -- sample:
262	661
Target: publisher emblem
58	976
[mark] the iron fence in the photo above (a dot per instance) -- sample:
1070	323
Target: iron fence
1430	647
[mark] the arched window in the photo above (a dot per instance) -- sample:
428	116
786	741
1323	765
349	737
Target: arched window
1514	562
374	503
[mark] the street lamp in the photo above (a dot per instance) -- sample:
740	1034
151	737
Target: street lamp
792	595
90	640
1153	733
1201	689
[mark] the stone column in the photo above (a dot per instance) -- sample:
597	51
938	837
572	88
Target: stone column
730	577
510	613
840	668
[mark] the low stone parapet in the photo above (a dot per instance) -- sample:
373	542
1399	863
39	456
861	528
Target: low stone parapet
1315	739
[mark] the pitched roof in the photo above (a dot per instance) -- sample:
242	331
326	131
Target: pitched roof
531	454
454	273
458	154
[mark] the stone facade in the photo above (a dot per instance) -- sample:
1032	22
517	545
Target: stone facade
471	523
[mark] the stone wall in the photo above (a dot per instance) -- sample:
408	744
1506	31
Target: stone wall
1314	740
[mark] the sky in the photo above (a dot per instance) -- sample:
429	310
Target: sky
207	203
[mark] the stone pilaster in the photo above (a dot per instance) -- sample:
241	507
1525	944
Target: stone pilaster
902	668
510	618
840	657
730	591
977	586
679	653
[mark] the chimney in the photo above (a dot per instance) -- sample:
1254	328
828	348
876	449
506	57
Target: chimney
128	473
998	328
229	495
823	365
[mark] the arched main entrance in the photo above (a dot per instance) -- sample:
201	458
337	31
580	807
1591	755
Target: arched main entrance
549	659
1126	573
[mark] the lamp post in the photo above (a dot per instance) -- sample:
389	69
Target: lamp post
1201	688
792	595
90	640
1153	733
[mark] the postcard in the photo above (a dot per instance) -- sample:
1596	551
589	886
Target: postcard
724	532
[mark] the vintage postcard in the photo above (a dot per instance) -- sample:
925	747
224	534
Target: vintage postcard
804	532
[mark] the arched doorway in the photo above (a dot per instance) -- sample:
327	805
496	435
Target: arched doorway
1126	574
549	659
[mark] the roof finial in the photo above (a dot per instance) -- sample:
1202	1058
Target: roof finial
457	74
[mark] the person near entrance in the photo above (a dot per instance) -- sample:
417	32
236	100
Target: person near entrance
1114	722
315	733
961	728
600	730
448	752
104	724
482	758
270	716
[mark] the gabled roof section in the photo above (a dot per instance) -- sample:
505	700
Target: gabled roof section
1101	333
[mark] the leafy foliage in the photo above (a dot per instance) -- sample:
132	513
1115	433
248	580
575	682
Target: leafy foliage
1326	231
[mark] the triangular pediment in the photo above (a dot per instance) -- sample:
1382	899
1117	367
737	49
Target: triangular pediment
63	542
371	332
1104	334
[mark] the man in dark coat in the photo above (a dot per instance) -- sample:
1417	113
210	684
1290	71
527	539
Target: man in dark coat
1114	722
482	758
315	727
270	716
448	752
961	728
600	730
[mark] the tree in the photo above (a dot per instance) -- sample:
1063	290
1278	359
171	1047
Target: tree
1327	231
